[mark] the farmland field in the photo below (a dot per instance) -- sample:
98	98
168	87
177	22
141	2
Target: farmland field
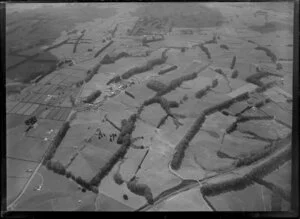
150	107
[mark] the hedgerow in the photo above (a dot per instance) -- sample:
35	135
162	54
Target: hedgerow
92	97
56	142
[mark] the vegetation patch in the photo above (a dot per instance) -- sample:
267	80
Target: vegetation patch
268	52
205	50
199	94
141	190
255	78
103	48
240	183
140	69
223	46
166	70
233	62
56	142
92	97
176	83
156	85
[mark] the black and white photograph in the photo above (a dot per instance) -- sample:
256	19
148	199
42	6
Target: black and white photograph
149	106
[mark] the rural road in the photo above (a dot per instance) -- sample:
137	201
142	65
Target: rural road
13	204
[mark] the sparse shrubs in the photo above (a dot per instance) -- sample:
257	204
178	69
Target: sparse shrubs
156	85
233	62
141	190
223	46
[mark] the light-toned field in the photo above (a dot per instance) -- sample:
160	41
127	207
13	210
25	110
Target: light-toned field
238	26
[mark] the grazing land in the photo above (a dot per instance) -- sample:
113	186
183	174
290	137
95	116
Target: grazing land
149	107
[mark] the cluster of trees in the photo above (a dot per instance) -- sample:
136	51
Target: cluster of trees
199	94
56	142
268	52
120	153
148	66
118	178
251	41
205	50
60	169
240	183
223	46
264	87
176	83
235	73
233	62
140	69
278	66
115	79
156	85
127	127
92	97
184	142
107	59
141	190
